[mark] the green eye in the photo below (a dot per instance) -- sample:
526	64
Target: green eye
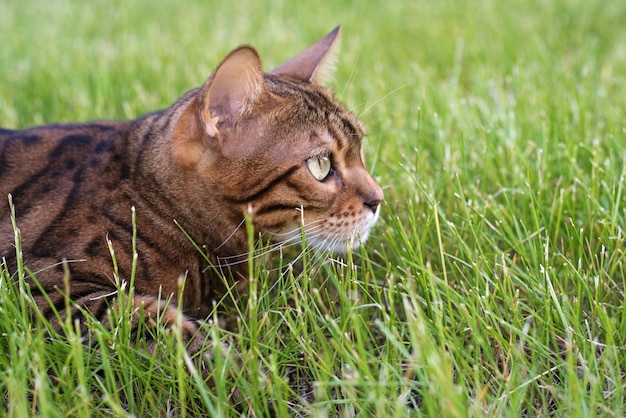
319	166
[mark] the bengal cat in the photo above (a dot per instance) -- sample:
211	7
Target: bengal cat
275	145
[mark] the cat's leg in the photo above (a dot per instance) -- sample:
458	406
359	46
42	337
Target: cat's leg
142	316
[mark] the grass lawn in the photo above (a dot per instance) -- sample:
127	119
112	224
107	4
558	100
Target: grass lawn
493	284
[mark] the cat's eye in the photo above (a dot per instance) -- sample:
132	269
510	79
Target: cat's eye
319	166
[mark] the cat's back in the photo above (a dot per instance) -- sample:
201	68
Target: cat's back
41	161
54	169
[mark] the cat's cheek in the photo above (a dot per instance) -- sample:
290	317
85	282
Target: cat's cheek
342	231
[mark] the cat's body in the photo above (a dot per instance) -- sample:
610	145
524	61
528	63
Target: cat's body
274	145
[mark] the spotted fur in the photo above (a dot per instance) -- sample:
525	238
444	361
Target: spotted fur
239	144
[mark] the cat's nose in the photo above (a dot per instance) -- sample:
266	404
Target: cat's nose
371	193
373	201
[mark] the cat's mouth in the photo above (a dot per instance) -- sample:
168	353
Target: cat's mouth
336	233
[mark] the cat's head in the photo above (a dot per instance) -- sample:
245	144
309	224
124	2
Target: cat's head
278	146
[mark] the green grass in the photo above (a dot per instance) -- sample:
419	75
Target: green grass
494	282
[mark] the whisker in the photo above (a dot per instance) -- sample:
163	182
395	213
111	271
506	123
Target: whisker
314	239
242	258
350	80
368	108
231	234
298	229
272	247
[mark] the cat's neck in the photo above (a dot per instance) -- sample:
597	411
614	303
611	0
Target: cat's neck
164	184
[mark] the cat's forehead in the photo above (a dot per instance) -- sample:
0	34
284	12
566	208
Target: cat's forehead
314	104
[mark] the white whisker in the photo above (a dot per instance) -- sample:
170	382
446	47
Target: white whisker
313	235
367	109
298	229
231	234
242	258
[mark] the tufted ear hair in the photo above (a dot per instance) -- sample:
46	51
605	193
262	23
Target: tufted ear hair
232	90
316	63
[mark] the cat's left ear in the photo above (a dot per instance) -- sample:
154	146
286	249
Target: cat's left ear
316	63
232	90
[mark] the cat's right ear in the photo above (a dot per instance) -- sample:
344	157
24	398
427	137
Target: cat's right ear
231	91
316	63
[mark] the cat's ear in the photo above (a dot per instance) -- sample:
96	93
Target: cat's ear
316	63
232	89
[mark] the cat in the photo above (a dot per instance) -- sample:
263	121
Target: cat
273	146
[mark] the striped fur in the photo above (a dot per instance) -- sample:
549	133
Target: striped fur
238	144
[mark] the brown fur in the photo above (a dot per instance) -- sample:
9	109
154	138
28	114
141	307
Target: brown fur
239	143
